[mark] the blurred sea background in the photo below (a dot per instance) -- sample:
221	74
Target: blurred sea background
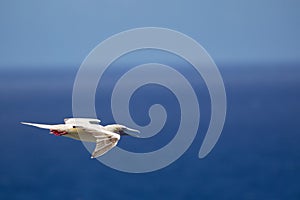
256	47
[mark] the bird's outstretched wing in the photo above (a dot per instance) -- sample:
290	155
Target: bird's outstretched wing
48	126
45	126
81	121
103	145
105	141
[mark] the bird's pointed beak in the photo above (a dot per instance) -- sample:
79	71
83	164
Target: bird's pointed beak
132	132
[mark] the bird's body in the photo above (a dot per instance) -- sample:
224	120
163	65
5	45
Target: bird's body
89	130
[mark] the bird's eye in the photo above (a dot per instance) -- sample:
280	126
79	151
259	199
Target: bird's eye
76	126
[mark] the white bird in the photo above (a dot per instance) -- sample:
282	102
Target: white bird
89	130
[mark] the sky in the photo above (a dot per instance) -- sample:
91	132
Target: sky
62	33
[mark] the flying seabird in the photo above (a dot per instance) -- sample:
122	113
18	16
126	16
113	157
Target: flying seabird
89	130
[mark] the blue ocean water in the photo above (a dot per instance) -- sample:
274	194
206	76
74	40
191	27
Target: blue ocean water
257	156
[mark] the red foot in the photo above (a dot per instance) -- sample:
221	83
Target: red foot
58	133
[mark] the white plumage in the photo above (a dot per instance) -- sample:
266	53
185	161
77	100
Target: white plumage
89	130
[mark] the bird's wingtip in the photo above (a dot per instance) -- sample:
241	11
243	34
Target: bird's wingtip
27	123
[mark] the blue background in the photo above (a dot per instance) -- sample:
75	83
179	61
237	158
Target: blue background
256	47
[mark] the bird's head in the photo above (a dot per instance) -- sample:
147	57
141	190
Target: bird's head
122	130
